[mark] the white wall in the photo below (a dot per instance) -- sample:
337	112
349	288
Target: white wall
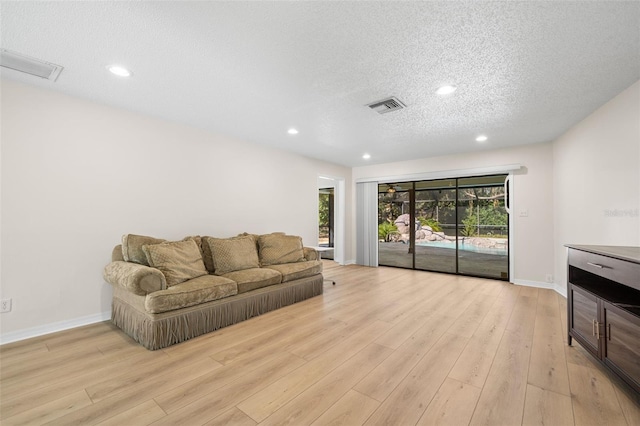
597	179
76	175
533	235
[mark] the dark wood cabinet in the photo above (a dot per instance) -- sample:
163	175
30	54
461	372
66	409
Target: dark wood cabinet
603	303
584	320
622	343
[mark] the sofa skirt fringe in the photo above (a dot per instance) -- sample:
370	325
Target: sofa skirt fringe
157	331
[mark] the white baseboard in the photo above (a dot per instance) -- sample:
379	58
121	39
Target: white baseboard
28	333
561	290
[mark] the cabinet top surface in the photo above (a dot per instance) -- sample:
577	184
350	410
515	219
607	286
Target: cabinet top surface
631	254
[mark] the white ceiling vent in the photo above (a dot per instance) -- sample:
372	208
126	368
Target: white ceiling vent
19	62
386	105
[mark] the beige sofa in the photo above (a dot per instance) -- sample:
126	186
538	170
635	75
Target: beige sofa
166	292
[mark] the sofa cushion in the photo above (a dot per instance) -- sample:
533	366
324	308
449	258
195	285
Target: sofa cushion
233	254
207	257
293	271
179	261
254	236
197	239
189	293
250	279
276	249
132	247
116	254
205	251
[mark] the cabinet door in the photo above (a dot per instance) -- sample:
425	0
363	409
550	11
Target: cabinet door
584	320
622	339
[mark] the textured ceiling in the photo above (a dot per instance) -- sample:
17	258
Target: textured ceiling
525	71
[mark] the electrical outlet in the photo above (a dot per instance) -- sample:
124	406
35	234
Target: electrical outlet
5	305
550	278
524	213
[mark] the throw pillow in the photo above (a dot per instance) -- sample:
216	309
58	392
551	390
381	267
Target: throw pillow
205	251
206	255
246	234
179	261
132	247
233	254
276	249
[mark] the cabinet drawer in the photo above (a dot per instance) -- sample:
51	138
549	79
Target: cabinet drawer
623	342
613	269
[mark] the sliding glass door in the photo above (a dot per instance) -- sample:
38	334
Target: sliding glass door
483	227
436	225
394	216
457	225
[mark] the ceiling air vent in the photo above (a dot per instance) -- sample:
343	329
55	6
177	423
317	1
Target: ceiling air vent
386	105
19	62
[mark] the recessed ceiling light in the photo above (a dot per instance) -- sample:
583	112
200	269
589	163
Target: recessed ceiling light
119	71
366	156
292	131
446	90
481	138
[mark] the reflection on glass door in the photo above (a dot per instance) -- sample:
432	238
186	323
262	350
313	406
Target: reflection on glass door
457	225
483	229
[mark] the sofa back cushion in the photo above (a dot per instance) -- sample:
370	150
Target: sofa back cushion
254	236
132	247
116	254
179	261
276	249
205	251
206	255
233	254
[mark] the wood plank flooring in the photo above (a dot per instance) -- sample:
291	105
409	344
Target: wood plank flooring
383	346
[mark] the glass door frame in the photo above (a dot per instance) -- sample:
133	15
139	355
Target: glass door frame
412	228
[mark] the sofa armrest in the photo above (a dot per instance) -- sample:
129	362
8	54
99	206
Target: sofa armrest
310	253
138	279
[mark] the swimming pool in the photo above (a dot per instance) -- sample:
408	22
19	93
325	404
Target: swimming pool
466	247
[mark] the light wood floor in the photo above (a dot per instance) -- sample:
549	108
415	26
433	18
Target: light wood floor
383	346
